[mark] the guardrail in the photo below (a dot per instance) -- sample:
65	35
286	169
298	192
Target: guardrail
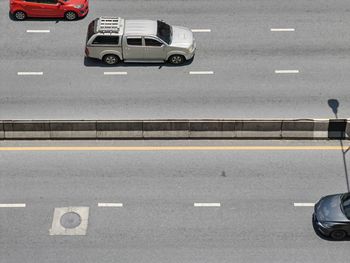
176	129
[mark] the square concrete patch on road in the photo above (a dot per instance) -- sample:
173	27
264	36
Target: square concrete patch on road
70	221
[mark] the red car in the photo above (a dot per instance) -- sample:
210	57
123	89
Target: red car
68	9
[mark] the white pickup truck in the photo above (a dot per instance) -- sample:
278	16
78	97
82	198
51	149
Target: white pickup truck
114	39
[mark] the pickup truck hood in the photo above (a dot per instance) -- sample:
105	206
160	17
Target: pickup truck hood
182	37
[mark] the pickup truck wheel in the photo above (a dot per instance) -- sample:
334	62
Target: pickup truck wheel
177	59
20	15
70	15
111	59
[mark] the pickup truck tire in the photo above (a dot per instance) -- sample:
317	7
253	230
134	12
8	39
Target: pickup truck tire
20	15
111	59
70	16
176	59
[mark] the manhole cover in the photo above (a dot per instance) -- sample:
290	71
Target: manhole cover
70	220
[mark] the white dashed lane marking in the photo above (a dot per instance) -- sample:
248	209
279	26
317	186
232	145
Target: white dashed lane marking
30	73
287	71
12	205
282	29
201	72
38	31
115	73
201	30
110	205
304	204
206	204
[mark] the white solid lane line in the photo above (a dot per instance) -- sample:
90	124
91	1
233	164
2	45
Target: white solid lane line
206	204
201	30
304	204
38	31
30	73
287	71
110	205
12	205
201	72
115	73
282	29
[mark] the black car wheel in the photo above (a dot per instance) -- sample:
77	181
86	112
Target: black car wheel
177	59
338	234
20	15
111	59
70	15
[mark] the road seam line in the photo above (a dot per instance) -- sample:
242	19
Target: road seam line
172	148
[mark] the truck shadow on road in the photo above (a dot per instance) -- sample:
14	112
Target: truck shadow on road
90	62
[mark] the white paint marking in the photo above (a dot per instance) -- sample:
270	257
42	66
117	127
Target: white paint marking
287	71
110	205
38	31
12	205
282	29
115	73
207	204
201	30
30	73
304	204
201	72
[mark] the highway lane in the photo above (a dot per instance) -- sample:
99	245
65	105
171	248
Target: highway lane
158	222
240	49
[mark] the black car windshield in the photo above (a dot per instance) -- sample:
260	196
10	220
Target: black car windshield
345	204
164	31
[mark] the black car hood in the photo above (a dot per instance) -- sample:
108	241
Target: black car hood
328	209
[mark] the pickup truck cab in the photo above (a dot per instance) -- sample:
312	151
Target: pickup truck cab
114	39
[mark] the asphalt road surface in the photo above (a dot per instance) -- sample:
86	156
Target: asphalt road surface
240	50
157	187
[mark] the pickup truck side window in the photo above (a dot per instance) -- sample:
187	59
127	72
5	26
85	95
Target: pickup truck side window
106	40
152	42
134	41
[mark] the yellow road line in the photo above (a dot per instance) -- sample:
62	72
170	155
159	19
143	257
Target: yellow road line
174	148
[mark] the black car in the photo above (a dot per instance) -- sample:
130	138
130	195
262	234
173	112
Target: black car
332	216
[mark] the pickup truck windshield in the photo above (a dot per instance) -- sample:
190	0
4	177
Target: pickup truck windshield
164	31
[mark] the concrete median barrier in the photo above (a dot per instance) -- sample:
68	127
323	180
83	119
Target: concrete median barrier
321	129
298	129
73	130
262	129
211	129
119	129
166	129
292	129
26	129
2	131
